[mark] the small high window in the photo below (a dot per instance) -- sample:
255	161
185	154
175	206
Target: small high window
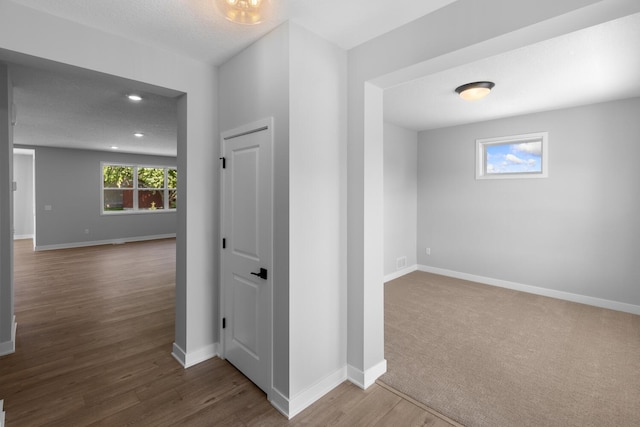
519	156
135	188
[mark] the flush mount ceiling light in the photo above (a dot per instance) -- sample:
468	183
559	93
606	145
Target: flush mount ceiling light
248	12
138	134
134	97
113	147
474	91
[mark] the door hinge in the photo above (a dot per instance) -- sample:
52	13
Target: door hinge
224	322
224	243
224	162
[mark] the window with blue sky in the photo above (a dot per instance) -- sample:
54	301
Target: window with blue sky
519	156
523	157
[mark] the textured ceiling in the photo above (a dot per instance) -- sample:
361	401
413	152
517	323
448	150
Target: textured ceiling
73	108
353	22
597	64
195	27
67	107
191	27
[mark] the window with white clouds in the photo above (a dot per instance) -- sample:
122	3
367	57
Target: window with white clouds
518	156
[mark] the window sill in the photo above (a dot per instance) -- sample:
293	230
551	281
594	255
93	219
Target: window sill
138	212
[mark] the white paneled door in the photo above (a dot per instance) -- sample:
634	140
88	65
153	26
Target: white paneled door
246	261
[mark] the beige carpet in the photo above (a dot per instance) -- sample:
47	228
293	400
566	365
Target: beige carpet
486	356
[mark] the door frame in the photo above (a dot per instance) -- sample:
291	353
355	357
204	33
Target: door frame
32	153
265	124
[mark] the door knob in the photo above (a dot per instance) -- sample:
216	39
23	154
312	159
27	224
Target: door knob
262	274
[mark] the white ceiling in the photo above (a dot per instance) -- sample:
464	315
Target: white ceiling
72	108
195	28
597	64
79	109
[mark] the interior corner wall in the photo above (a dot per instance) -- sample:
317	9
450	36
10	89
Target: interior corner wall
317	208
68	181
7	343
254	85
576	231
72	43
400	198
23	196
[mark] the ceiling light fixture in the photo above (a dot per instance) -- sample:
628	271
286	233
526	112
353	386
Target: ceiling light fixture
134	97
248	12
474	91
138	134
113	147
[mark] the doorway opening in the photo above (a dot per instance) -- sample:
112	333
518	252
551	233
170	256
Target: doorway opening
48	208
24	213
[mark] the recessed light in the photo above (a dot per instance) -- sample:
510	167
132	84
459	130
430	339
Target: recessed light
113	147
138	134
134	97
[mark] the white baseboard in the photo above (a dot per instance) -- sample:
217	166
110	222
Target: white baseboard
104	242
306	398
188	360
9	347
292	407
279	401
400	273
22	236
1	413
365	379
179	354
567	296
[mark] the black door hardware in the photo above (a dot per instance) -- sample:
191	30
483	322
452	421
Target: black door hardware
262	274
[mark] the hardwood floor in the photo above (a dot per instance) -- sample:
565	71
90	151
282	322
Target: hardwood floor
95	333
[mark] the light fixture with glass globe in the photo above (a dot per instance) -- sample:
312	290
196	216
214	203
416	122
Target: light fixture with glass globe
248	12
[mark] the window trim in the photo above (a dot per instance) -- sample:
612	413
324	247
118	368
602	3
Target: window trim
481	155
135	210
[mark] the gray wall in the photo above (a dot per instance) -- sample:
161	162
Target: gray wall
7	344
23	196
400	197
317	212
69	181
576	231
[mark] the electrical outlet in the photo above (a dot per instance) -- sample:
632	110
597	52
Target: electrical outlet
428	251
86	231
401	263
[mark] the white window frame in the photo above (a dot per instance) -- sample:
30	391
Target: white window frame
481	155
136	210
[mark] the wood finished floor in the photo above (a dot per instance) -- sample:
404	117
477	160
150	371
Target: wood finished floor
95	333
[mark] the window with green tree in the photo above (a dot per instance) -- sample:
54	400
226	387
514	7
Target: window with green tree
138	188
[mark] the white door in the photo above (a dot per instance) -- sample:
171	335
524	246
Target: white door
246	261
